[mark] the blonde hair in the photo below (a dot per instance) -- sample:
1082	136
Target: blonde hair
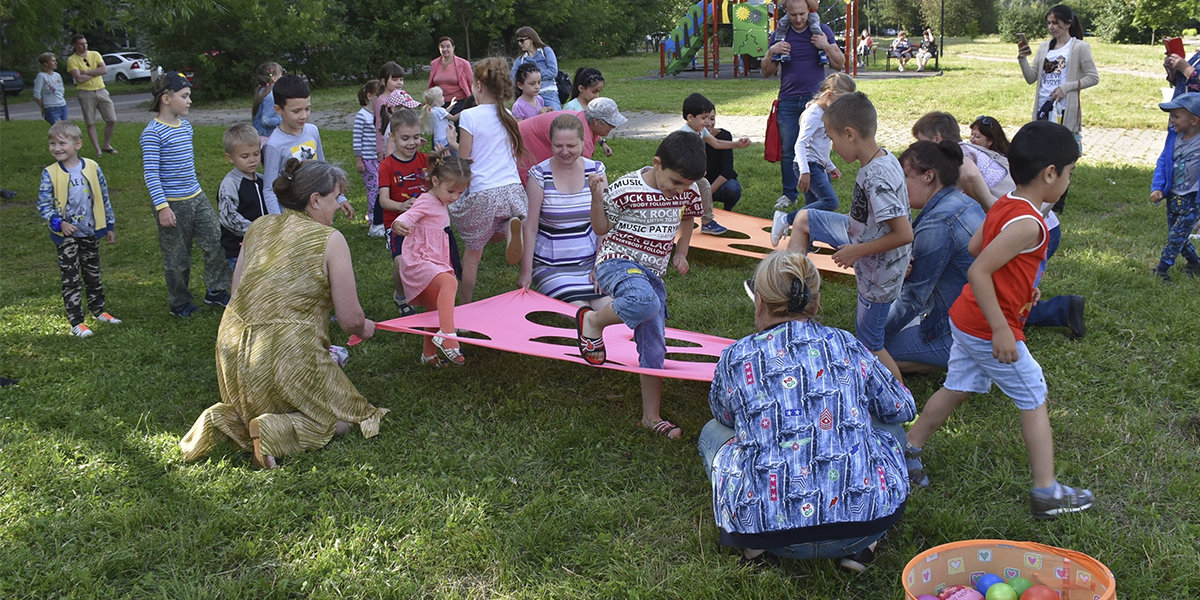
787	283
838	83
431	94
241	134
567	123
66	130
45	58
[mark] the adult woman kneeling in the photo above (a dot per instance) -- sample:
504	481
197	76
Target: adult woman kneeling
805	448
917	333
281	392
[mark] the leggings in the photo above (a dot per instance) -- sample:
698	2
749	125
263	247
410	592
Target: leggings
439	294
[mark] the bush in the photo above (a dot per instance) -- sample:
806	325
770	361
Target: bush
1022	18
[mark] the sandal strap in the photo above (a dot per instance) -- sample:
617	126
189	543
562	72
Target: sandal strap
664	427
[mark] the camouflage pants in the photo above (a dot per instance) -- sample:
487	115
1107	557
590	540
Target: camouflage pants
79	258
194	219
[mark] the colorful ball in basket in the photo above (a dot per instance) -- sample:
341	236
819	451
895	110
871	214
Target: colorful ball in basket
986	581
1066	573
1001	591
1020	584
1040	592
960	592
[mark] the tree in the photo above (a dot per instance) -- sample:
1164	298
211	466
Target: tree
29	28
963	17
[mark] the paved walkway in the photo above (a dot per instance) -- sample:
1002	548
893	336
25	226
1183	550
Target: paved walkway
1123	146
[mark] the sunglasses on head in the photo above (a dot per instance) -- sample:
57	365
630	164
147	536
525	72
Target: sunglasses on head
986	121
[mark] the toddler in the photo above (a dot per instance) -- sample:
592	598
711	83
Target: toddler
366	158
240	198
427	268
73	199
1175	179
435	122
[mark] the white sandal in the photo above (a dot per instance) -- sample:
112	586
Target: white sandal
453	355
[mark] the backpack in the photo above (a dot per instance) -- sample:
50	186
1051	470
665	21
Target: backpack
563	81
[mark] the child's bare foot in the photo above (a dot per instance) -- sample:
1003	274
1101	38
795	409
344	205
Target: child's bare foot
664	428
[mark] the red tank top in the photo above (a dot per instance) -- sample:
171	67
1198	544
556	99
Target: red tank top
1014	281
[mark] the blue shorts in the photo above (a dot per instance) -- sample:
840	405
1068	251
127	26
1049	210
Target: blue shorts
972	368
640	299
830	227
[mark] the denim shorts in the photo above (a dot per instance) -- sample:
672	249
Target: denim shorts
972	368
830	227
640	299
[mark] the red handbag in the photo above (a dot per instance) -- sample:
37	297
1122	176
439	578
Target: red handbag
772	147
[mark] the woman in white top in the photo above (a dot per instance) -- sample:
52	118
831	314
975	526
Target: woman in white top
1063	66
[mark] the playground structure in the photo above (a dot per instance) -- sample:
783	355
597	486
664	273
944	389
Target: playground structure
697	34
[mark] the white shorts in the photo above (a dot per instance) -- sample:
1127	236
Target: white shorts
972	368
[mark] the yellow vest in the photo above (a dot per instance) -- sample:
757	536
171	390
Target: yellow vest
62	179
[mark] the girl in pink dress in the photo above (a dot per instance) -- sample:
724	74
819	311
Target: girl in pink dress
425	267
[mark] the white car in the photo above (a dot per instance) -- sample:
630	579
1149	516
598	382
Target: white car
126	66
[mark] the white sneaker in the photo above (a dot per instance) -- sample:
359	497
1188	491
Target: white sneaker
782	203
107	318
1195	237
81	330
376	230
779	226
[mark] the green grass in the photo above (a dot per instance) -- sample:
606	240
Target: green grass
518	477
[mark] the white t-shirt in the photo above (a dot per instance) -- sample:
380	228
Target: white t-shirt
813	144
644	222
492	161
1054	76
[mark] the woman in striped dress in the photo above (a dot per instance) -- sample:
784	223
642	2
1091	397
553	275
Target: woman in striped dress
559	263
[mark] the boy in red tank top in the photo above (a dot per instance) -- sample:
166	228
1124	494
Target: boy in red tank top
988	319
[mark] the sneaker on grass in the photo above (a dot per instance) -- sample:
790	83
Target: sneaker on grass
186	310
713	228
779	227
107	318
376	230
1064	500
81	330
217	298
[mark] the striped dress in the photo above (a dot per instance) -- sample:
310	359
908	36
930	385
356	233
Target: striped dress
273	362
565	249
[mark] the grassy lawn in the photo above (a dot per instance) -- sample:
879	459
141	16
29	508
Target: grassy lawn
517	477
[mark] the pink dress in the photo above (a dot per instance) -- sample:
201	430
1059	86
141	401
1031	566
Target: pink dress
427	246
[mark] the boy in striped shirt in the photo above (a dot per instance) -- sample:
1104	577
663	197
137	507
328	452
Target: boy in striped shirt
184	212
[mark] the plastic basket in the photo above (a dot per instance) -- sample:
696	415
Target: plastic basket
1074	575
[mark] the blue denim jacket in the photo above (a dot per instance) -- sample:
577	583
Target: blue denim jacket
800	397
546	61
940	262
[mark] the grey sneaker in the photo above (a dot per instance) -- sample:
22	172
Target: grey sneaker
1066	500
783	202
779	227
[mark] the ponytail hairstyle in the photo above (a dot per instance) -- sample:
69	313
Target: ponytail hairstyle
1064	14
839	83
491	74
264	75
787	283
523	72
991	129
431	94
370	88
944	158
585	77
300	179
449	168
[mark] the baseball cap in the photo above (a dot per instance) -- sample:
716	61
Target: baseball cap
170	81
605	109
1189	102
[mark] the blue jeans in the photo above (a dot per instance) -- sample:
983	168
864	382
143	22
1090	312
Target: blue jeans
907	346
820	194
1182	214
640	299
715	435
788	119
54	114
1050	311
728	194
551	98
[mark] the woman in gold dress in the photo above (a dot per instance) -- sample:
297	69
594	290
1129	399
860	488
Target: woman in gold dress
281	392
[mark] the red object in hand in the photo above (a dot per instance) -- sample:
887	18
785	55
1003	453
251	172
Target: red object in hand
1175	46
354	340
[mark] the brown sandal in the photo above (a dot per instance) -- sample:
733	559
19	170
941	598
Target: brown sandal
264	461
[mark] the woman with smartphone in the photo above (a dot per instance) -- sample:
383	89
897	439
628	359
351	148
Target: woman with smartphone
1062	67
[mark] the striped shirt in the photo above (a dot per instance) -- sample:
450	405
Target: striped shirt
168	162
364	135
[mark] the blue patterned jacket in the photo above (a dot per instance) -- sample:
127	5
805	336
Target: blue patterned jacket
800	398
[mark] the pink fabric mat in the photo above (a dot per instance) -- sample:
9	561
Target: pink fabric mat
505	321
757	240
